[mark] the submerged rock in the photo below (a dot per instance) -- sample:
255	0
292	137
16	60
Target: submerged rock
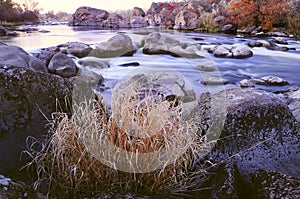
118	45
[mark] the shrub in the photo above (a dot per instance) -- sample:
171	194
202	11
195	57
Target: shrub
294	25
71	164
206	23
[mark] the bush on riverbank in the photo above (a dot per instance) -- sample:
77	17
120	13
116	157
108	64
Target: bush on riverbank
68	163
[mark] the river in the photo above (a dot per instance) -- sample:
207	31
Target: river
264	62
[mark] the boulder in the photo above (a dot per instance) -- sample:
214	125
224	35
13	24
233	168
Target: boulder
118	45
186	20
93	63
246	83
157	43
138	22
260	43
168	85
16	56
271	81
45	56
138	12
219	20
214	81
228	29
28	98
232	51
87	16
252	129
62	65
77	49
114	21
294	104
280	40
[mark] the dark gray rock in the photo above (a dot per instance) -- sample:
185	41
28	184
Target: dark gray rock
16	56
62	65
118	45
45	56
138	12
267	44
27	98
77	49
257	131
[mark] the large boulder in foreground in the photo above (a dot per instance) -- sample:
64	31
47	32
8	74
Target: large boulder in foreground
87	16
16	56
259	131
118	45
27	98
250	132
157	43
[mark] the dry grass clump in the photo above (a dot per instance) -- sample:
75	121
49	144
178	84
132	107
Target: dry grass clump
144	146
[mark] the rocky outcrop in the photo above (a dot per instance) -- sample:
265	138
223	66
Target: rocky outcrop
138	12
232	51
115	21
16	56
157	43
28	98
253	132
186	20
118	45
87	16
62	65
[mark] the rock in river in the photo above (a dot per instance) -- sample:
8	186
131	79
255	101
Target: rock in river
232	51
62	65
118	45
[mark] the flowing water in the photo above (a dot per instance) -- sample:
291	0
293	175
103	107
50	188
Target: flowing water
264	62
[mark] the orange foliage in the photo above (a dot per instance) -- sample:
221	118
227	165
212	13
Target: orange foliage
257	12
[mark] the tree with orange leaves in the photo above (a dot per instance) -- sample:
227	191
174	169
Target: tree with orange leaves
257	12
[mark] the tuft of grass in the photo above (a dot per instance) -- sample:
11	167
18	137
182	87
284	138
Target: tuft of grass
145	146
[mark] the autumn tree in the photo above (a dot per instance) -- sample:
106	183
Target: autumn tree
257	12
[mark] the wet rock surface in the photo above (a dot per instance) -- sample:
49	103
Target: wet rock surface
230	51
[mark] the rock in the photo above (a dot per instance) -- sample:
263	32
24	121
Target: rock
185	20
118	45
294	104
206	68
266	44
138	22
169	85
62	65
77	49
214	81
259	43
16	56
157	43
255	131
272	184
232	51
130	64
276	34
138	12
219	19
44	31
93	63
155	8
13	189
45	56
280	40
27	98
3	31
115	21
271	81
87	16
246	83
228	29
247	30
241	51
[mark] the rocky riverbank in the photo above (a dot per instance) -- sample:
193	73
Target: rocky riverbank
254	149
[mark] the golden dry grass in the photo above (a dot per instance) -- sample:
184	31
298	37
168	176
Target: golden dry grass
144	146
